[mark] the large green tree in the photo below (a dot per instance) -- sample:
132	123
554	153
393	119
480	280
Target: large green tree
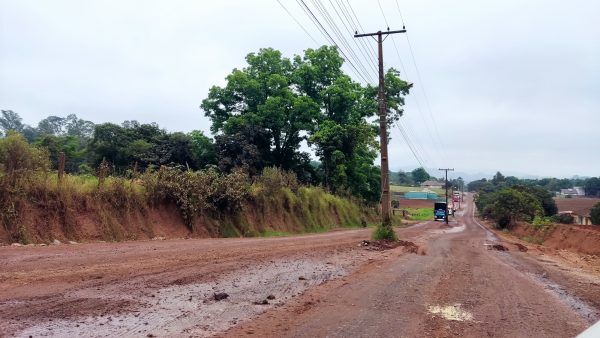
260	108
266	110
420	175
508	205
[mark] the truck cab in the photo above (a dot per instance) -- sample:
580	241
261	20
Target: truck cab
439	210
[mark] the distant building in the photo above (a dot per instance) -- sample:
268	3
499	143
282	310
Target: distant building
573	192
421	195
432	184
579	217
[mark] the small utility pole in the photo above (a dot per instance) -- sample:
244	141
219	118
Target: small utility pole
446	170
383	139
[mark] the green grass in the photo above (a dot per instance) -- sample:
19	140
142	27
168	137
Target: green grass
420	214
275	233
384	233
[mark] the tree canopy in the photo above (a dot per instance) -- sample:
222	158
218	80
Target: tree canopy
273	106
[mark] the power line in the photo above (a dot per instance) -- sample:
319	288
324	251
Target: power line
360	43
341	38
382	13
326	34
359	24
352	23
298	22
422	87
410	145
421	114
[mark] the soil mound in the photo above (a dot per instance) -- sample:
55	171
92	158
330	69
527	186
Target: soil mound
580	239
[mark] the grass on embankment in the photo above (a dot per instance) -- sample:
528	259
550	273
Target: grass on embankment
171	203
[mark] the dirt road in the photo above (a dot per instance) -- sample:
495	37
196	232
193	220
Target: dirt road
314	285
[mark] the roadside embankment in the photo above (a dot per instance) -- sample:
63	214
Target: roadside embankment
168	203
576	238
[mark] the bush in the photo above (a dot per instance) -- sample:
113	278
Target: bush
18	158
273	179
540	222
21	166
508	205
196	192
595	214
563	218
384	232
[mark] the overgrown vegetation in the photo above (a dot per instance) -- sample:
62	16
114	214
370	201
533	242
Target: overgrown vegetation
34	200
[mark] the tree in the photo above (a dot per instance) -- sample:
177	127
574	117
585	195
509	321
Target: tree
74	148
508	205
419	175
11	121
203	149
592	186
266	110
595	214
52	125
400	178
545	198
498	178
262	98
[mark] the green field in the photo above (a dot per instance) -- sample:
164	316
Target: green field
404	188
420	214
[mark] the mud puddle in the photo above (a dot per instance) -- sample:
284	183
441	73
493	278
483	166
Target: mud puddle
193	309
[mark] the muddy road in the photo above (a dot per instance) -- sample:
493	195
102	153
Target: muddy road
455	284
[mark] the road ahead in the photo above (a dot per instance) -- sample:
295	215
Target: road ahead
314	285
459	288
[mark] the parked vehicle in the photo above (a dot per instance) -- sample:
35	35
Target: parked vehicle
439	210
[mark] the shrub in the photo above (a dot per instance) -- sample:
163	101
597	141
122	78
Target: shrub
273	179
196	192
540	222
384	232
18	158
595	214
563	218
21	166
508	205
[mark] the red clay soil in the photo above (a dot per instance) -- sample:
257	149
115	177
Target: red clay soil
580	206
575	238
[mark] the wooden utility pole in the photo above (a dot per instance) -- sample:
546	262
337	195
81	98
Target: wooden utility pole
383	138
446	170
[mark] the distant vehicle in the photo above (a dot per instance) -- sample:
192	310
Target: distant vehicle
456	196
439	210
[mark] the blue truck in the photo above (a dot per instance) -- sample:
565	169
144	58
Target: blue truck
439	210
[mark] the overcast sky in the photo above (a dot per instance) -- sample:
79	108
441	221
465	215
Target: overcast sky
512	85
